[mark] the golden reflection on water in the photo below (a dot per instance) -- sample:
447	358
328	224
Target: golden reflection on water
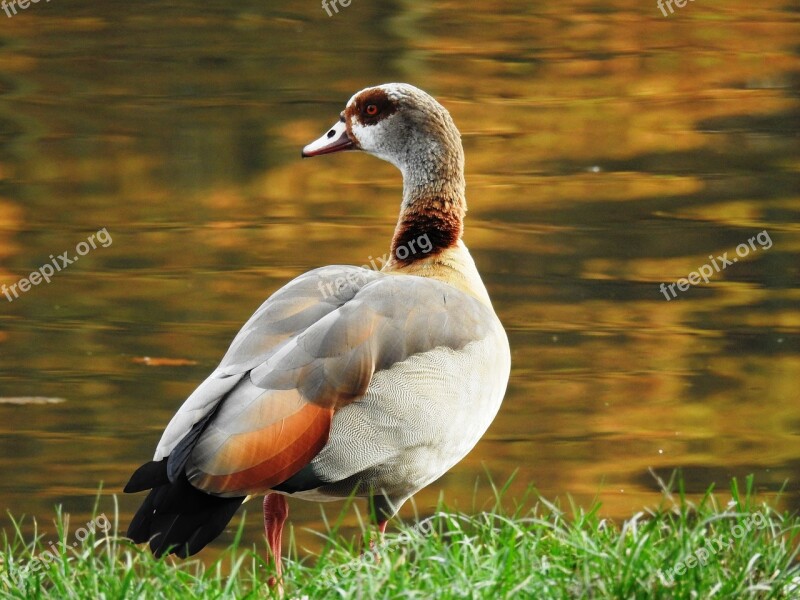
609	149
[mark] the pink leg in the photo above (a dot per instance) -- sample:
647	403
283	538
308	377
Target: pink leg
276	509
382	529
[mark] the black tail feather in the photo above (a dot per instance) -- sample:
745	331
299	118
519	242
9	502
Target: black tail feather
148	476
176	517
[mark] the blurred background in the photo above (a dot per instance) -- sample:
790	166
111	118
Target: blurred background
609	149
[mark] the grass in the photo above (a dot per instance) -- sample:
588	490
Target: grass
536	550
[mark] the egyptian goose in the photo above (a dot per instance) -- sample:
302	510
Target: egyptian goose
346	380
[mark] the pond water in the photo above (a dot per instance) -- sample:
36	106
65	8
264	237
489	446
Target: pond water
610	149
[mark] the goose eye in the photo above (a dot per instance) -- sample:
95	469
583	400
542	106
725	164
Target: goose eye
371	110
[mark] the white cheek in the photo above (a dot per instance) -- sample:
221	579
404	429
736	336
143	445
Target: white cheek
368	136
373	139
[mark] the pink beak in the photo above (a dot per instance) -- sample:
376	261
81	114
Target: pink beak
335	140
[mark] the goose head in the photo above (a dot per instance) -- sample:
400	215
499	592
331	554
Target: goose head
405	126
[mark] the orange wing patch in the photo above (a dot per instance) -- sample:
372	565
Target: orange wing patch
283	448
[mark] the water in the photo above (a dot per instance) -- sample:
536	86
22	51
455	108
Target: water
610	149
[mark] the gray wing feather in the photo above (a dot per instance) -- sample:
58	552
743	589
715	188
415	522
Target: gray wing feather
326	347
387	321
292	309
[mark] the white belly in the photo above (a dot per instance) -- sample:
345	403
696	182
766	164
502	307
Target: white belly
418	418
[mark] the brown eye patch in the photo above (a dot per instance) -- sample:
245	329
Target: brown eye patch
374	105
